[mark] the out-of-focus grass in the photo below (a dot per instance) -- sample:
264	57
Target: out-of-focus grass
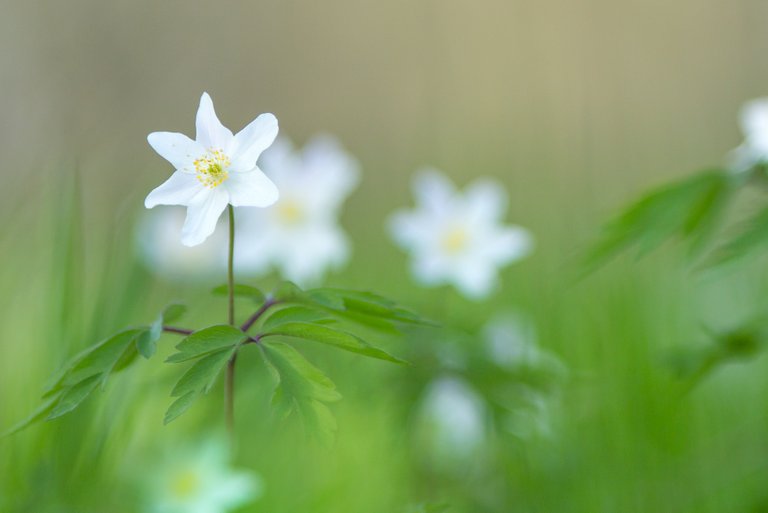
627	435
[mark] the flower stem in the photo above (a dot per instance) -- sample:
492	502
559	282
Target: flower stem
229	390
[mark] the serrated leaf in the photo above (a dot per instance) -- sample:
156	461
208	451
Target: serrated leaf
296	313
72	397
752	236
688	209
246	291
207	340
179	406
302	387
202	375
330	336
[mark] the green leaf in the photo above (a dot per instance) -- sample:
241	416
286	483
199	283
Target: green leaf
128	357
364	308
297	313
287	292
202	375
330	336
301	387
241	291
173	312
207	340
179	406
147	341
102	358
39	414
752	236
688	209
71	398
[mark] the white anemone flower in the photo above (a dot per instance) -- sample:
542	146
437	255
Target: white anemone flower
300	235
754	126
215	170
200	480
457	238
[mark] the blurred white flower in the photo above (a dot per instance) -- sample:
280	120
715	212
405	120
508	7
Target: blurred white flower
299	235
754	126
456	237
160	249
510	340
454	418
215	170
200	480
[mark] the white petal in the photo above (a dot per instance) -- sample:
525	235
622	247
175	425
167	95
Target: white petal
311	252
328	172
251	189
179	189
252	140
433	190
178	149
412	230
507	245
202	215
486	200
475	279
211	134
430	268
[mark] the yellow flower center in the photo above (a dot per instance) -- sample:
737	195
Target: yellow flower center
290	212
455	240
185	484
212	168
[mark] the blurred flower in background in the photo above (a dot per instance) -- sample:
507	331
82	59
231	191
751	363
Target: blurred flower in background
215	170
457	238
198	479
452	421
300	235
161	251
511	341
754	126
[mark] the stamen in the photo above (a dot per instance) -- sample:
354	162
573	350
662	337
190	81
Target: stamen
212	168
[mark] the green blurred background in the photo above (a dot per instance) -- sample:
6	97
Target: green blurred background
575	106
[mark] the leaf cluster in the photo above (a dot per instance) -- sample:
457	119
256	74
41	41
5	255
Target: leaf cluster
285	318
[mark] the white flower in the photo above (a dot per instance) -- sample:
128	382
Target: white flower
455	419
458	238
200	481
300	234
754	126
214	170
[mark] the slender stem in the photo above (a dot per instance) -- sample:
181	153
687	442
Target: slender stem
230	266
229	390
258	313
180	331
